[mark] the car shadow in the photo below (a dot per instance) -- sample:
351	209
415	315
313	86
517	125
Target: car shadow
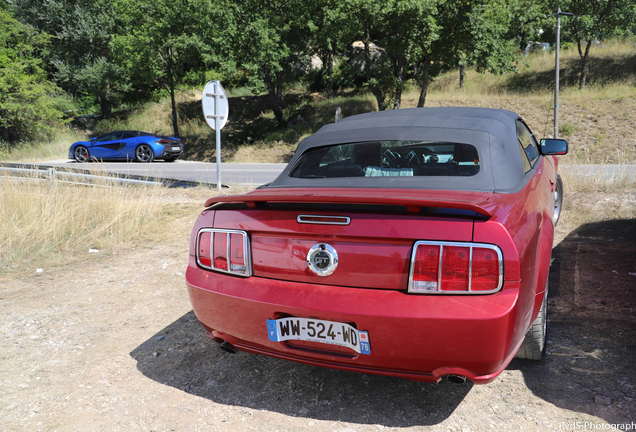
182	356
591	349
588	367
602	70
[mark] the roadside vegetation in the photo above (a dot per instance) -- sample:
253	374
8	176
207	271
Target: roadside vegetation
596	121
48	224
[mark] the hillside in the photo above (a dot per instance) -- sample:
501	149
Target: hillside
597	121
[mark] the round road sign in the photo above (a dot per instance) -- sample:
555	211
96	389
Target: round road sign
215	104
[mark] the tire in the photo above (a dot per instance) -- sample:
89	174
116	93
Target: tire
144	153
81	154
558	199
533	345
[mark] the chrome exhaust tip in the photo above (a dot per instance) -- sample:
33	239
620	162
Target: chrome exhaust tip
228	347
456	379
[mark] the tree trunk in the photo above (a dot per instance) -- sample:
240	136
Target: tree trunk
401	61
105	102
330	75
461	76
426	66
584	58
105	105
379	97
275	94
367	51
173	103
377	92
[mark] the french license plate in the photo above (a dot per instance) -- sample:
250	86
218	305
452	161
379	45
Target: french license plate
176	148
313	330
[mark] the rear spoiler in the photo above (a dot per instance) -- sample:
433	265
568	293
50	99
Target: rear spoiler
412	199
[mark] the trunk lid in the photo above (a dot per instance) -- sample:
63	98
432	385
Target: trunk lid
373	249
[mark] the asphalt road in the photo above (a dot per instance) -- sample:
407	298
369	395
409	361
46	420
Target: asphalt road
255	174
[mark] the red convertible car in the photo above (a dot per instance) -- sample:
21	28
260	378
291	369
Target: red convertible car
412	243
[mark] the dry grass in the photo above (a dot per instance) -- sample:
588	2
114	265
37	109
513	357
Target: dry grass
43	224
596	198
157	118
597	122
38	151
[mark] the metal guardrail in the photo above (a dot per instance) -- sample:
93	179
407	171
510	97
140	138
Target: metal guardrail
75	177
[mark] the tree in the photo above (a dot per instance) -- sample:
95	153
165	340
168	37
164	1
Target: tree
272	46
81	55
483	34
411	28
167	40
396	34
592	20
330	34
25	106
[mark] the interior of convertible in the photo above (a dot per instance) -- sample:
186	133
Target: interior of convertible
388	159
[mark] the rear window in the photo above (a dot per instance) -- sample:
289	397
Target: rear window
388	159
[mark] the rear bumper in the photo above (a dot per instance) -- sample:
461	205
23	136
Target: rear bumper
417	337
167	151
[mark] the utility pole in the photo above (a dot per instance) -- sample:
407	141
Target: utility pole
556	71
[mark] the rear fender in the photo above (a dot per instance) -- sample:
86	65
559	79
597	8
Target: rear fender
494	232
545	248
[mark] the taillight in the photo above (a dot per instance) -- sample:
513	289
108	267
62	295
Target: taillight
455	268
203	249
224	250
425	265
486	269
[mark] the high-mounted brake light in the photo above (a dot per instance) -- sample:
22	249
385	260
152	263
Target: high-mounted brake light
225	251
455	268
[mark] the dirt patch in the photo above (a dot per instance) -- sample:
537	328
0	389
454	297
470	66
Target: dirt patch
109	342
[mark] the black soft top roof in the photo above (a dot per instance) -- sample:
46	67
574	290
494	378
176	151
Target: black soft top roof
492	131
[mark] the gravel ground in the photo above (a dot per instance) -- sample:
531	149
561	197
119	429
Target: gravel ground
109	342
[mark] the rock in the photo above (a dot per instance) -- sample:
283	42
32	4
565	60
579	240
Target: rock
602	400
301	115
160	337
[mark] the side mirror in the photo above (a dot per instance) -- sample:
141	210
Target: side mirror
551	146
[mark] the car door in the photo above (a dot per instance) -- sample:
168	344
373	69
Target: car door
108	146
537	199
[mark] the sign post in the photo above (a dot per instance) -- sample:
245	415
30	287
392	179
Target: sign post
215	110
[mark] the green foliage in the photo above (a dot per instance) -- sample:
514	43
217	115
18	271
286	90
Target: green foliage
170	42
595	20
80	58
26	108
271	46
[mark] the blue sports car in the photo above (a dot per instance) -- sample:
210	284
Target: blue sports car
128	146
